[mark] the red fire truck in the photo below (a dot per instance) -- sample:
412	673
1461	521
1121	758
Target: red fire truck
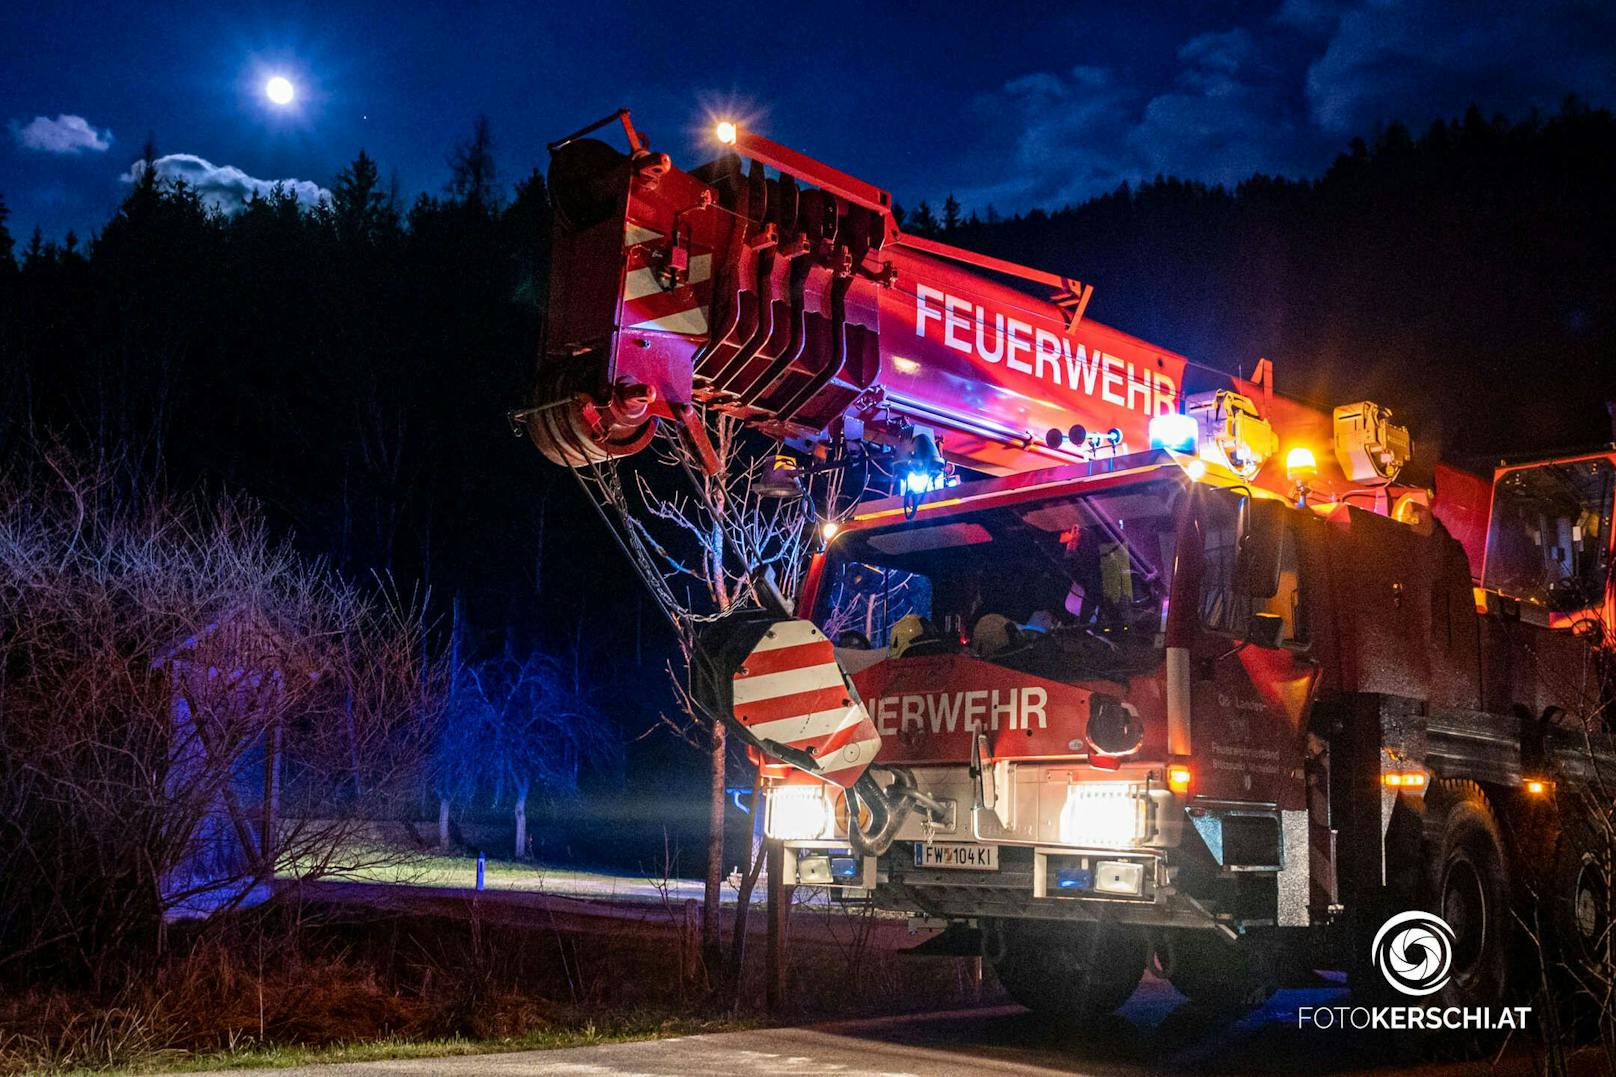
1187	673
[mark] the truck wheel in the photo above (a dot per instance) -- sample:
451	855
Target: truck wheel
1466	883
1581	906
1217	974
1067	972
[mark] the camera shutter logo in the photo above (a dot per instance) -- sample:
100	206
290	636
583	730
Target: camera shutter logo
1414	951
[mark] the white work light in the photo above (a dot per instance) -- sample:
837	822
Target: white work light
1108	815
800	813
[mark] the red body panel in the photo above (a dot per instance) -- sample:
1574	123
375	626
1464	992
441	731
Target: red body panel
1250	733
997	368
927	709
1463	503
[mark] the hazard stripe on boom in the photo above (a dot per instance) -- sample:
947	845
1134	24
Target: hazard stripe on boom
787	683
791	691
846	765
787	706
781	659
693	321
803	726
789	634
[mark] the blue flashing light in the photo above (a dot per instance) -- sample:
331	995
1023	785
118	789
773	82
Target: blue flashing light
921	482
1074	879
1174	431
845	867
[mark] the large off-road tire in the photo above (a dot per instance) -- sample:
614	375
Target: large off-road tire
1465	880
1214	973
1580	907
1069	973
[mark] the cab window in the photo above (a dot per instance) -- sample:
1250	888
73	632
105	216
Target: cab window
1549	542
1065	587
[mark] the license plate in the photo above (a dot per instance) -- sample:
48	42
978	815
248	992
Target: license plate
973	857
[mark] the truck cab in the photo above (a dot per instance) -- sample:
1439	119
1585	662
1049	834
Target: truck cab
1158	711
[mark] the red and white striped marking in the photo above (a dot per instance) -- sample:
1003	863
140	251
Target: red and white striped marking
649	306
790	690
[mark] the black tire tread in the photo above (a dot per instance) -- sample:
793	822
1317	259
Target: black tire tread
1459	797
1033	973
1216	975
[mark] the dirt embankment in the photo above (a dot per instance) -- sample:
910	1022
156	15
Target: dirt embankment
435	966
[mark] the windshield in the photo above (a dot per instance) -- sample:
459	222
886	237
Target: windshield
1031	585
1550	534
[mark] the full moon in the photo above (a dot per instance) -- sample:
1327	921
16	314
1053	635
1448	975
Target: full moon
279	90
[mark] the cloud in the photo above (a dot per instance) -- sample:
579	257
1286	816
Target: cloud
223	187
1225	115
1311	16
64	134
1061	131
1222	53
1281	93
1425	58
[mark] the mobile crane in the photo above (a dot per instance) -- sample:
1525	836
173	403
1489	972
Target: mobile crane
1186	675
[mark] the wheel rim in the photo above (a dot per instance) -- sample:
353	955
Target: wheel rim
1588	909
1464	907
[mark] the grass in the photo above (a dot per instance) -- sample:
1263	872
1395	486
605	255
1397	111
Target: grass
516	876
301	982
461	872
559	1030
624	1028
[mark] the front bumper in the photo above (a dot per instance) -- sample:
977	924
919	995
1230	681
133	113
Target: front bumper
1073	847
1027	885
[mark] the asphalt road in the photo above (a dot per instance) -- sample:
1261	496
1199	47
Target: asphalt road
1155	1033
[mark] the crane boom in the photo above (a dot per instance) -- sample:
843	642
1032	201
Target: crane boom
795	302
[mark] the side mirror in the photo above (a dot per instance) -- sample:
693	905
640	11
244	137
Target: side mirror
1256	564
1265	630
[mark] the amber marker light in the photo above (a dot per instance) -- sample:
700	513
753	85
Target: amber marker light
1300	464
1536	786
1179	778
1404	779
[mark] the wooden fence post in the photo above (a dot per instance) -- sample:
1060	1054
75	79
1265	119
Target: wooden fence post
779	906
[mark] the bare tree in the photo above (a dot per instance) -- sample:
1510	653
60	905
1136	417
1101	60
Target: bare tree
457	753
703	550
1574	897
188	712
534	725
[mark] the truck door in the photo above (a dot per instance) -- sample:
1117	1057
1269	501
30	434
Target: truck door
1252	673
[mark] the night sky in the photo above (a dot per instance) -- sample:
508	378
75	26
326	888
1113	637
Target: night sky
1007	104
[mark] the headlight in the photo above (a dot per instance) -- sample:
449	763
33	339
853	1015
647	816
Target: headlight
1104	814
800	813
